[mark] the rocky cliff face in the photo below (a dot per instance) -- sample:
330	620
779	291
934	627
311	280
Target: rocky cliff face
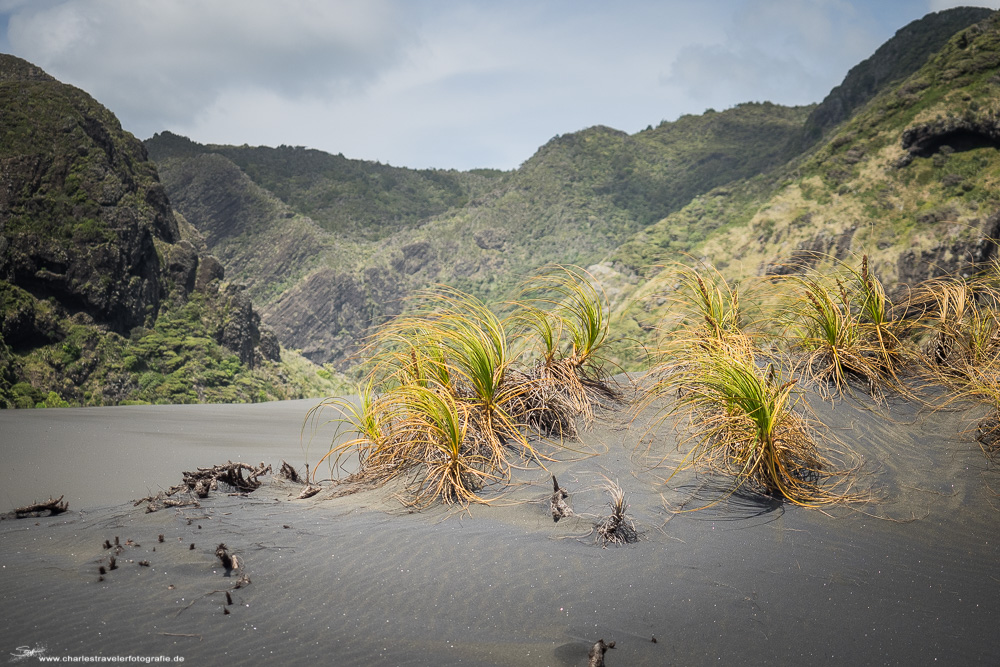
895	60
87	234
80	205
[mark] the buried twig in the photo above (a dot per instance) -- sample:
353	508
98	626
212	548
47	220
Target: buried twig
557	504
161	500
597	651
309	491
619	527
53	506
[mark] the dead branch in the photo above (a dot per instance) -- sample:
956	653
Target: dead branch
557	504
596	653
52	506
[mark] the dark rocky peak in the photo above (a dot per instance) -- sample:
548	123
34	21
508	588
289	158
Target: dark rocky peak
898	58
80	205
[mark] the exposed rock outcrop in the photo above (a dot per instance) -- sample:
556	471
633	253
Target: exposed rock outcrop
957	134
86	227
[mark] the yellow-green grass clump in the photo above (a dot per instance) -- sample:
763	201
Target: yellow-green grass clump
455	389
744	418
568	318
845	328
745	423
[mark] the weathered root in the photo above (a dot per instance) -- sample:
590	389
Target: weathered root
288	472
557	504
596	654
228	560
205	480
53	506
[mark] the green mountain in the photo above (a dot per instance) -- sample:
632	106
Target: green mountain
330	246
899	162
322	282
104	296
911	179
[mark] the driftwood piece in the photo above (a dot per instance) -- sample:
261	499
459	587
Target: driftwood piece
229	473
204	480
309	491
597	652
288	472
53	506
557	504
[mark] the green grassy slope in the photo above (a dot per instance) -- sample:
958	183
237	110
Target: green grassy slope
578	197
911	180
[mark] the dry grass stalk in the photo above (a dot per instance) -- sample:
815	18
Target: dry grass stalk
618	527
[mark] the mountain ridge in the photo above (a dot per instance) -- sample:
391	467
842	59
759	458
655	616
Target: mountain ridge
324	248
105	296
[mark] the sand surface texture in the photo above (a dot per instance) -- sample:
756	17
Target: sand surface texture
909	578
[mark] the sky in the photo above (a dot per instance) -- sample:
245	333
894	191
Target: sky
442	84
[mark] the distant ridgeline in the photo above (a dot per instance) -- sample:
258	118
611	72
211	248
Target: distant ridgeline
330	246
109	295
106	296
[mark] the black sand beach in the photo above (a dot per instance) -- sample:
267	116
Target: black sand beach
908	579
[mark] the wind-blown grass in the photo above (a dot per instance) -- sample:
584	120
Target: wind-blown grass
448	403
844	330
569	318
744	423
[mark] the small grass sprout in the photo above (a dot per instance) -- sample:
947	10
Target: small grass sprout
618	527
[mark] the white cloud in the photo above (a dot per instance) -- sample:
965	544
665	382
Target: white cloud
786	51
156	63
434	82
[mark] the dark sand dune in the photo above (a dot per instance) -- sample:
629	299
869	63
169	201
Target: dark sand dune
908	579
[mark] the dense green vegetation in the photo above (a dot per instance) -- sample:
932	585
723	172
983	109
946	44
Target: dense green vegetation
176	360
358	199
104	298
330	247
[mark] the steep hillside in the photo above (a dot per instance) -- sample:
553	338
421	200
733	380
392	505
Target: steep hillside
912	179
898	58
331	246
578	197
352	198
104	297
